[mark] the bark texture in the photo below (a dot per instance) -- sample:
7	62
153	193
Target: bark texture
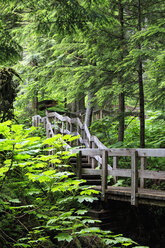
140	81
89	110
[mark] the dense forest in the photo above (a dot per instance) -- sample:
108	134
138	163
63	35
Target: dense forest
82	56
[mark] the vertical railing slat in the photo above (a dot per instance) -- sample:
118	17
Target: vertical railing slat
134	177
104	173
79	165
142	168
115	166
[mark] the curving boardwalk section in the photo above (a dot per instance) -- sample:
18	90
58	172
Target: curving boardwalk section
104	162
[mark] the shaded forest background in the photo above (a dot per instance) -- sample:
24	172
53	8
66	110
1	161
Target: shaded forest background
89	55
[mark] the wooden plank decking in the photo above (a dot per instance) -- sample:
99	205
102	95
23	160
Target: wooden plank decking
144	196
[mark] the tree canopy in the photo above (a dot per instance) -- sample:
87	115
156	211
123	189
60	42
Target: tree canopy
112	49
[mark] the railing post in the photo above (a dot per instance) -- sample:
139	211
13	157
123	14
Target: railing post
44	121
62	127
71	131
47	125
38	120
115	166
83	133
71	126
104	174
79	165
78	132
67	126
134	178
94	163
90	146
33	121
55	125
142	168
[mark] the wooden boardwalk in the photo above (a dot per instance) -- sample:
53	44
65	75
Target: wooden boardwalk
104	162
144	196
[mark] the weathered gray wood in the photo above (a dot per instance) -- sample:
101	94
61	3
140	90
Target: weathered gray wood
79	165
120	152
104	173
91	171
152	174
88	135
90	152
99	160
36	120
89	157
120	172
134	177
115	166
62	127
142	168
79	123
44	120
94	163
151	152
67	126
71	127
147	196
82	133
160	175
98	143
78	133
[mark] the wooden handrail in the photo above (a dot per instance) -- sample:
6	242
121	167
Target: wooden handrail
99	153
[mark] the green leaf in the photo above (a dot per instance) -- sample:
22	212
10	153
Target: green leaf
81	212
90	230
21	245
64	237
15	201
86	198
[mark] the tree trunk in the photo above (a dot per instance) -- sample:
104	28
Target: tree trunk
141	90
35	105
121	117
81	104
89	110
121	95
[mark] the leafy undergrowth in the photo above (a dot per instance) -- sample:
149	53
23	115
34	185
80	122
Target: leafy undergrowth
42	203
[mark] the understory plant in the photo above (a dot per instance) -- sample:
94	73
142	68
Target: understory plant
42	203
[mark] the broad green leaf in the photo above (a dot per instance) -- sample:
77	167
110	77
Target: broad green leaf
86	198
64	237
15	201
81	212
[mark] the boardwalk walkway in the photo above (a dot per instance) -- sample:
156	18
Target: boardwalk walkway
104	163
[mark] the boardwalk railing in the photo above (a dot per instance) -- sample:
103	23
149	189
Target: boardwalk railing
98	154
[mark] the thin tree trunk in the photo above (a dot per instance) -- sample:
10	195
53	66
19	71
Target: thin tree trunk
121	117
35	105
141	90
121	95
81	104
89	110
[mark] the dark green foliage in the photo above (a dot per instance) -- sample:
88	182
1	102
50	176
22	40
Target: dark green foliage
8	90
42	203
